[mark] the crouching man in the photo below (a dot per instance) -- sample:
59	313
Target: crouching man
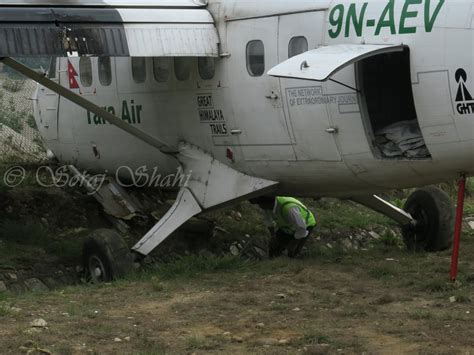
290	223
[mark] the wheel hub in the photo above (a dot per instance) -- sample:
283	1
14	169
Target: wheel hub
96	269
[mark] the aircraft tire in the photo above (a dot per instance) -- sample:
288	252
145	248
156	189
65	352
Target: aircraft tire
433	210
106	256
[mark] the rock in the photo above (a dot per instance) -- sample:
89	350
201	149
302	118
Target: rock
267	341
39	323
44	221
452	299
226	334
237	339
283	341
29	344
471	224
260	325
281	296
234	250
35	285
80	230
12	276
260	252
329	246
237	216
117	340
126	338
375	235
38	351
31	331
296	309
3	287
346	244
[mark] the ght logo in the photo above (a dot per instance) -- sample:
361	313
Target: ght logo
464	101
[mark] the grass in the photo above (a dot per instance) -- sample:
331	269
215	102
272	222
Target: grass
196	342
438	286
421	315
334	214
383	272
314	337
31	233
26	238
190	266
10	116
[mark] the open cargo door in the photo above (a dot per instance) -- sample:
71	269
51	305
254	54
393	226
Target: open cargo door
321	63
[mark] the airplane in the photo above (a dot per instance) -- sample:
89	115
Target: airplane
314	98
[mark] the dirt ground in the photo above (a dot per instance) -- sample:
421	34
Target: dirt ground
381	301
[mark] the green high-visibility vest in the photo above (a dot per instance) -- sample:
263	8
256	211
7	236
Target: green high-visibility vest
284	205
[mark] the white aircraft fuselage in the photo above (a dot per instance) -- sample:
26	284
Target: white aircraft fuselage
316	138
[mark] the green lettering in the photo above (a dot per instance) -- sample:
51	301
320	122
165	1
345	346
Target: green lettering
430	21
390	22
97	120
335	19
125	112
89	119
139	110
357	22
408	14
134	119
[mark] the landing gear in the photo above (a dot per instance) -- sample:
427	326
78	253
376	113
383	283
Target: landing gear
106	256
427	218
433	212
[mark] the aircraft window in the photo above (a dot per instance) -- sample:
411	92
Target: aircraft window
297	46
182	68
161	69
85	70
139	69
207	67
255	58
52	68
105	71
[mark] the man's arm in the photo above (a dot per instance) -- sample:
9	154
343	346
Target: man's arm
298	222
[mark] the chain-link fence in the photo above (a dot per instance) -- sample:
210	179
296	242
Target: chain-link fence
19	136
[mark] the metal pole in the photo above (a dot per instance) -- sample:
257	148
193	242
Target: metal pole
458	227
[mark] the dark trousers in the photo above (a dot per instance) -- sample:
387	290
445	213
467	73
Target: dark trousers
282	241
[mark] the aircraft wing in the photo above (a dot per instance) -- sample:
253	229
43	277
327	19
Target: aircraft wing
141	28
321	63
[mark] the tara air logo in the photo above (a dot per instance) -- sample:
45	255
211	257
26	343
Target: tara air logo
464	101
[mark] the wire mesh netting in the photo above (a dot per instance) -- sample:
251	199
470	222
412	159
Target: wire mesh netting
19	136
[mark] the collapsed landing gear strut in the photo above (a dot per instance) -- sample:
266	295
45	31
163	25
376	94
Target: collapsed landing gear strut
211	184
